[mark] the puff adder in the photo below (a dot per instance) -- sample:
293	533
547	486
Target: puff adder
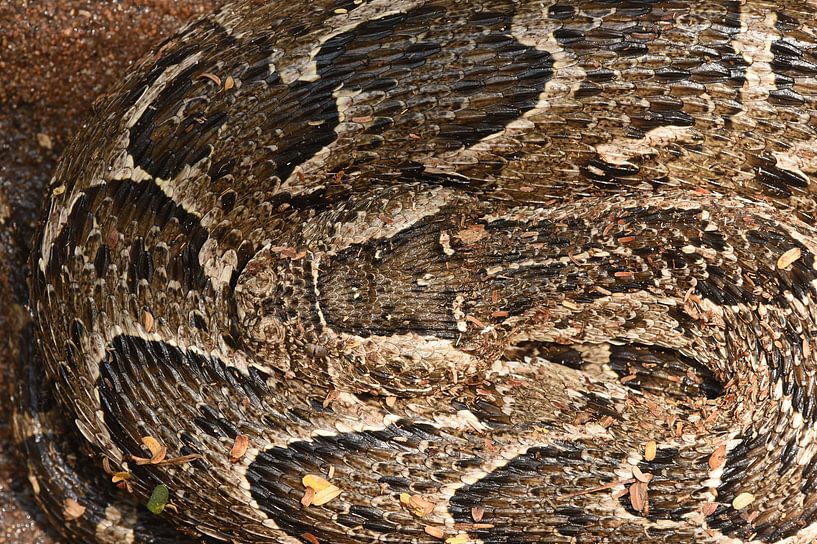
498	271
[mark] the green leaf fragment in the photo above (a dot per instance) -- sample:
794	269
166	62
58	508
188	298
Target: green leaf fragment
158	499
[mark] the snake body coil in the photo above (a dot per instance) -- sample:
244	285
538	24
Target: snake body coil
493	271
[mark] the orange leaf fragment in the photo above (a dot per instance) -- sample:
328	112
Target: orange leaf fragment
72	510
242	442
158	452
117	477
718	457
436	532
324	490
309	496
650	450
639	498
419	506
147	321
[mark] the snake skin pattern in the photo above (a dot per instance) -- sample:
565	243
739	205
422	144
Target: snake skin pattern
494	271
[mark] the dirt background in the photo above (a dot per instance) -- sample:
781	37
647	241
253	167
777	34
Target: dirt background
56	57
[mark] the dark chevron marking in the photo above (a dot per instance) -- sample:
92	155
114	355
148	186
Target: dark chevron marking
531	504
734	523
275	477
306	111
125	202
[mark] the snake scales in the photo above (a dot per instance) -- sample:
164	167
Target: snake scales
497	271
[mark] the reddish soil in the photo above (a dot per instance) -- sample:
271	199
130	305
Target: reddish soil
56	57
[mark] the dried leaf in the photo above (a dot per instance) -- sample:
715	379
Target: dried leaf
718	457
72	510
121	477
180	459
459	539
212	77
650	450
44	140
641	476
639	498
309	496
325	491
709	508
785	260
147	321
242	442
477	512
312	539
419	506
229	83
158	452
742	501
436	532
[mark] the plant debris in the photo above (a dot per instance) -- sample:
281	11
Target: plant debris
319	490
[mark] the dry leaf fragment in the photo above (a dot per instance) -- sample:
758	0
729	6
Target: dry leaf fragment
158	452
309	496
180	459
72	510
229	83
459	539
312	539
212	77
742	501
44	140
122	480
147	321
324	490
417	504
639	498
117	477
641	476
242	442
788	257
709	508
477	512
718	457
650	450
436	532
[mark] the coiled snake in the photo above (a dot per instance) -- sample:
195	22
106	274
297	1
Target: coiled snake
438	271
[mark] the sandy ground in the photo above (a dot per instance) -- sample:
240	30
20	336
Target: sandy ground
56	57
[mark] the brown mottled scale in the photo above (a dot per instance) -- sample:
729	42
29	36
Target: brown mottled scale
478	254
